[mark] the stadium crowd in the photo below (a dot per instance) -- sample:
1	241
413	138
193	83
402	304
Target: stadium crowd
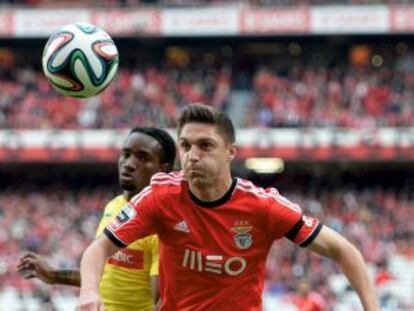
149	97
60	224
339	97
299	97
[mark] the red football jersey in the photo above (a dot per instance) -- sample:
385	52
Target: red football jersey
212	254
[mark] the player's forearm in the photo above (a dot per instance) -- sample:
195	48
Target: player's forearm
155	289
92	265
66	277
355	269
331	244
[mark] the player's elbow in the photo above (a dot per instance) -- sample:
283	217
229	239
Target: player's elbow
99	250
93	262
346	251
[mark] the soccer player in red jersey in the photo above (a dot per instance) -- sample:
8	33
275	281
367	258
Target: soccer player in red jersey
215	231
307	300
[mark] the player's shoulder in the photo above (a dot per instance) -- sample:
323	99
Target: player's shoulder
147	244
250	189
271	194
160	184
115	204
172	179
152	241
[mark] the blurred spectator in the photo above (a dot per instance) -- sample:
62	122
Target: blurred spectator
306	299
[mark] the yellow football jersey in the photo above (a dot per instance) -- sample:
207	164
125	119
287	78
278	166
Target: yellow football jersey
125	284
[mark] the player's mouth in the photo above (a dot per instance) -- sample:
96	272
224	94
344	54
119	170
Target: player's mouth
194	172
193	169
126	176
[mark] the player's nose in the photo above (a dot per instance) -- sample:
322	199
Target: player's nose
130	164
193	154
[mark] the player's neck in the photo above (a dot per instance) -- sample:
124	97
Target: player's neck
129	194
214	191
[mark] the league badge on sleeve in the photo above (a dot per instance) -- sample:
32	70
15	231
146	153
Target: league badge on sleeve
127	213
243	237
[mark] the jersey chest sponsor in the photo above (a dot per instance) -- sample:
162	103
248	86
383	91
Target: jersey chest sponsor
213	263
127	258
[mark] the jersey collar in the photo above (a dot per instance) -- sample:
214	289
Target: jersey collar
217	202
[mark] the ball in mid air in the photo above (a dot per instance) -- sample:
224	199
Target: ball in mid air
80	60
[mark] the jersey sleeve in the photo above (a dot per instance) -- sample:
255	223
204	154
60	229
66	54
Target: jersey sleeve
135	221
287	220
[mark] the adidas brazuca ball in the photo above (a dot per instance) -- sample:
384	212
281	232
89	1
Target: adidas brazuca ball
80	60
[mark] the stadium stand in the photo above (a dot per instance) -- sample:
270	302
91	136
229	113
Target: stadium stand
331	81
305	96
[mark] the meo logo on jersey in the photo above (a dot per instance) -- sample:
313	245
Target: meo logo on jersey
216	264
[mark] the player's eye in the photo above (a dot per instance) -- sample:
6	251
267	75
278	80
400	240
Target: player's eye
143	157
185	146
206	146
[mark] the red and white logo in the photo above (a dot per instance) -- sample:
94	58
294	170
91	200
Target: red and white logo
127	258
217	264
308	221
182	226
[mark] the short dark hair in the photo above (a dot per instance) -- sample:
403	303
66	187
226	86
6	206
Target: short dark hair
199	113
165	140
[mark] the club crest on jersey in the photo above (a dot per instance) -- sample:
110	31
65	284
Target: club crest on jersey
243	237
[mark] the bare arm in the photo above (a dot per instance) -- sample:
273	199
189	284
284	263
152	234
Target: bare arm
155	291
331	244
92	265
32	265
67	277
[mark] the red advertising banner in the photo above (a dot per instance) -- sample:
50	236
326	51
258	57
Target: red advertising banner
41	23
6	23
275	20
386	144
320	153
121	22
200	21
358	19
401	18
215	20
316	153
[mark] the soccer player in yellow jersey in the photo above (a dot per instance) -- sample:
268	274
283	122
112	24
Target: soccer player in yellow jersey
130	279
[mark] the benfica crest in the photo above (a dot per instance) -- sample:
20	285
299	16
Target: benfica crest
243	237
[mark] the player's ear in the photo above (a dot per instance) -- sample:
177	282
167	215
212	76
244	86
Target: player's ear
232	151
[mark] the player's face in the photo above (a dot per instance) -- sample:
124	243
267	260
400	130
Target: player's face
303	288
139	160
204	154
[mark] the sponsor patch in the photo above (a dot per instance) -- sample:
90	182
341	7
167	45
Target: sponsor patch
308	221
127	258
127	213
